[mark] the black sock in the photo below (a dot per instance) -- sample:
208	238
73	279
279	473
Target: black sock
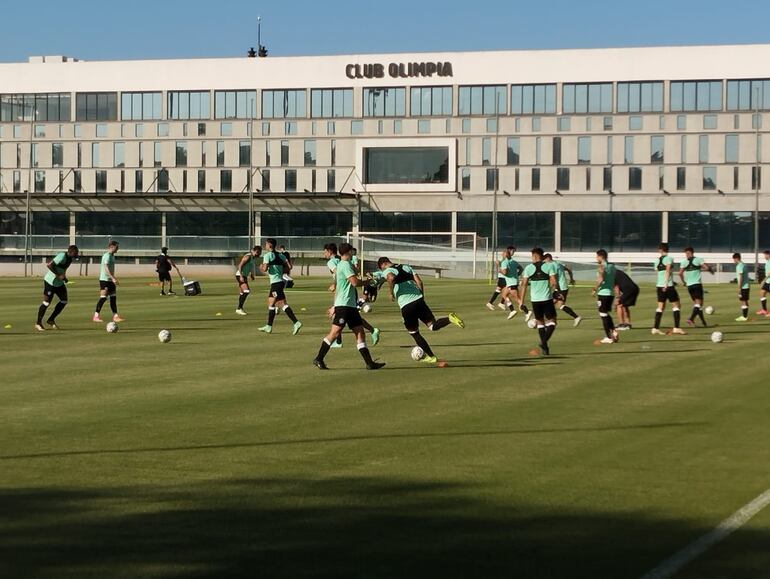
40	313
524	309
423	343
607	323
763	302
658	317
270	316
494	297
569	311
694	314
366	355
543	334
323	350
439	323
745	311
114	303
339	339
701	316
677	318
242	300
549	330
56	311
100	303
290	314
509	304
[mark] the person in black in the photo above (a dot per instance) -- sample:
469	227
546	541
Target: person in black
627	292
55	284
163	265
287	256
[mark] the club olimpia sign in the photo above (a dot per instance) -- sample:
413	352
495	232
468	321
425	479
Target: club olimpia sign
399	70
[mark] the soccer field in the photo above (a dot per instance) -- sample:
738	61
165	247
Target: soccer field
226	453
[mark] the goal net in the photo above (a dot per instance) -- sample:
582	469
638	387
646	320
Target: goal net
459	254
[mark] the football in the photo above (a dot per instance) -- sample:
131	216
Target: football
417	353
717	337
367	308
164	336
709	310
532	324
112	327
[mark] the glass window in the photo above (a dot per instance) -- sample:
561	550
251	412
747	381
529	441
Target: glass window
709	178
536	179
423	127
244	154
607	123
656	149
284	153
231	104
584	151
562	178
57	154
101	181
681	178
587	98
466	179
712	231
529	99
119	155
189	105
514	151
635	123
35	107
163	129
628	155
225	181
634	178
703	149
431	101
385	102
748	95
482	100
310	154
329	103
607	179
563	124
265	179
140	106
696	96
101	106
331	180
556	151
731	149
220	153
357	127
709	121
491	179
406	165
616	231
306	223
95	161
640	97
291	181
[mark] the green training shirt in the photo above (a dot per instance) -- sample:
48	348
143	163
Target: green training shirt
692	271
740	268
332	263
275	271
512	267
249	267
561	276
108	265
405	291
57	264
540	285
354	260
608	280
664	260
345	294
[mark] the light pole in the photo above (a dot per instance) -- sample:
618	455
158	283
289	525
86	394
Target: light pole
496	184
28	212
757	174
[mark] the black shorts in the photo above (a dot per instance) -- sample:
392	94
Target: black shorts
416	312
52	290
164	276
544	310
667	294
276	291
347	316
242	280
370	290
766	286
604	303
628	299
745	294
513	288
696	291
560	295
500	282
107	285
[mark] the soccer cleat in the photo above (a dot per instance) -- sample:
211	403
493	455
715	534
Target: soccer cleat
657	332
39	328
741	319
320	364
512	314
490	307
241	312
762	312
116	318
607	340
577	321
455	319
690	323
266	329
615	336
375	365
678	331
528	316
52	325
545	350
428	359
162	293
336	345
171	293
97	318
375	336
501	305
295	329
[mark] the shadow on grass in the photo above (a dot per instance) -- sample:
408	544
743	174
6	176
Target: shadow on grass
365	527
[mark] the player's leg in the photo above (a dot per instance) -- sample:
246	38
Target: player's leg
296	324
271	301
744	300
328	340
100	302
496	294
358	331
659	310
170	280
676	310
763	299
605	310
561	304
61	293
434	325
47	296
243	294
113	295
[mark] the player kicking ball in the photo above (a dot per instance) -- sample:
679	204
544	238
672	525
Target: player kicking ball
562	288
666	292
247	268
345	312
541	279
108	284
604	292
55	284
744	287
691	270
511	270
499	287
275	266
406	287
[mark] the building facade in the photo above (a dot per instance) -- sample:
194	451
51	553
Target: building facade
568	149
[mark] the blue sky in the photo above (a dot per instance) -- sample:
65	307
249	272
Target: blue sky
106	29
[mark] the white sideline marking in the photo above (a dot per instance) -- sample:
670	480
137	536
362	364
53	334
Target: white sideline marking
721	531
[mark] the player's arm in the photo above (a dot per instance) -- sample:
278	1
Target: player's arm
569	273
504	271
681	273
599	279
390	278
50	266
667	276
523	289
617	291
552	281
171	261
418	282
263	266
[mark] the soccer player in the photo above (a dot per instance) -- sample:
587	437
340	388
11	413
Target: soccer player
627	292
275	265
562	288
604	292
744	287
247	268
55	284
510	270
764	288
690	272
344	312
406	287
666	291
108	284
355	263
498	288
163	265
287	256
541	279
371	289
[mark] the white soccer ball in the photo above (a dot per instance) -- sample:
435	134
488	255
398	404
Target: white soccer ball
709	310
417	353
164	336
112	327
717	337
532	323
367	308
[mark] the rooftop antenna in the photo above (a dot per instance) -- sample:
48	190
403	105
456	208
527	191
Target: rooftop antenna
261	49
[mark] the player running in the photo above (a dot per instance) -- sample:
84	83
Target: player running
510	270
691	270
275	265
666	291
108	284
541	277
287	256
344	312
744	287
562	288
247	269
498	288
764	286
604	292
55	284
406	287
163	265
627	292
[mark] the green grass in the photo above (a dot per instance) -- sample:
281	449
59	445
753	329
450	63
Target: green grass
225	453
